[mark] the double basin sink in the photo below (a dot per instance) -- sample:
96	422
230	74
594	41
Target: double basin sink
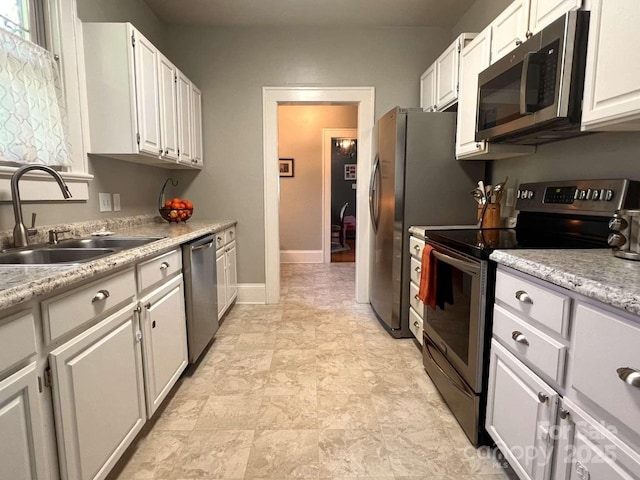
71	251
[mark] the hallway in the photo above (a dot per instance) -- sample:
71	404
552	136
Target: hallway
311	388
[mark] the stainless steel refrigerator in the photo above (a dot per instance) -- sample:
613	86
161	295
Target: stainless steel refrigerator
415	180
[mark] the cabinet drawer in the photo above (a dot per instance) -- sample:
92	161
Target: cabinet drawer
415	270
415	324
530	345
415	247
604	344
159	269
67	311
545	306
17	339
229	235
414	301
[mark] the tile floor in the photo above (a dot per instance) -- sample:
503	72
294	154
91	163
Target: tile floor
311	388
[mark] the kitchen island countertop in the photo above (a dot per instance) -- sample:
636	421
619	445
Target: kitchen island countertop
19	283
596	274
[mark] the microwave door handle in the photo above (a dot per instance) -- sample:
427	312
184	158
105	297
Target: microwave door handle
526	62
465	266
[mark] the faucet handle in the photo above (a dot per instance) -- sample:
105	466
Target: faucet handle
54	234
33	220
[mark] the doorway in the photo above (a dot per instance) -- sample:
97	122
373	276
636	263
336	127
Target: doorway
363	97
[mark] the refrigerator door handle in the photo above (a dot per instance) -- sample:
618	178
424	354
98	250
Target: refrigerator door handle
373	191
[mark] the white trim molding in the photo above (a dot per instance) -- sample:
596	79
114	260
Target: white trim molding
251	294
39	186
327	135
364	97
301	256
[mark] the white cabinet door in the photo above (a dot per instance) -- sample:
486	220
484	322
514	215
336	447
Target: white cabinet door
147	105
164	341
98	396
428	89
221	278
185	120
232	273
198	155
167	76
509	29
474	58
521	411
22	452
612	78
447	66
544	12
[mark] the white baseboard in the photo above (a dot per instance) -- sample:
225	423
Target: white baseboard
301	256
252	293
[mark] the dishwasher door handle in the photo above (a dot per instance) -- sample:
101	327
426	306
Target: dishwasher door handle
202	247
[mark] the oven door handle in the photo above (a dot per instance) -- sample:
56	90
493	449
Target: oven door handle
469	267
454	382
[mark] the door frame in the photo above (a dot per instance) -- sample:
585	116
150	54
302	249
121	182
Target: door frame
327	149
364	97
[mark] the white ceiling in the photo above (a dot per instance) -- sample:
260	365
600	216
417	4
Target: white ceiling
427	13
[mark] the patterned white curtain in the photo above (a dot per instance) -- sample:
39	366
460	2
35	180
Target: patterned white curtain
32	113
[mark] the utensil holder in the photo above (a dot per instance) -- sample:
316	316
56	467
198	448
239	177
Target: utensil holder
491	215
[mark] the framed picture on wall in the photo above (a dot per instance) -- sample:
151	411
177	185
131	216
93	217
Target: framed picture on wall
286	167
350	171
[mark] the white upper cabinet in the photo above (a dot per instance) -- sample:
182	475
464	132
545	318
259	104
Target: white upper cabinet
474	58
147	95
612	78
447	69
509	29
196	145
544	12
185	121
167	79
132	97
428	89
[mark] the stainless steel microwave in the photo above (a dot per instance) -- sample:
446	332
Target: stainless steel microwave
534	94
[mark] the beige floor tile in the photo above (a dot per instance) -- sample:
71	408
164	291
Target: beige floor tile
283	454
353	453
289	412
179	411
229	412
346	411
220	454
286	381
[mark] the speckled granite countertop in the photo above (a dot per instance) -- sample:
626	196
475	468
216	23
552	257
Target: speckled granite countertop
595	274
22	283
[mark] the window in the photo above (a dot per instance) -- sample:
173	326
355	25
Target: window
25	18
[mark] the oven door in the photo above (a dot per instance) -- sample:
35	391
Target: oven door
457	323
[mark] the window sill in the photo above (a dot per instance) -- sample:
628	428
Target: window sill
38	186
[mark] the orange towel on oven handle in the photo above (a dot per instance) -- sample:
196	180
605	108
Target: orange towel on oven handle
427	292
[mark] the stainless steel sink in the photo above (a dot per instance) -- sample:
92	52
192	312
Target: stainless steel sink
104	242
44	256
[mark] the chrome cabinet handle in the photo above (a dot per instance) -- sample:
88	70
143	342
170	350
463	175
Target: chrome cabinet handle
529	34
417	269
416	324
519	337
417	297
518	42
416	248
164	265
524	297
564	414
478	146
543	397
630	376
219	239
101	295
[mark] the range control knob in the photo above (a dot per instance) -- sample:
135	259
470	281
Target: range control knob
617	223
616	240
608	195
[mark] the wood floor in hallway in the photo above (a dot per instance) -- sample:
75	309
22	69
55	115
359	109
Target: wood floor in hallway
312	388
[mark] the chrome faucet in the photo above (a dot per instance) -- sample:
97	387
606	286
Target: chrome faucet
20	232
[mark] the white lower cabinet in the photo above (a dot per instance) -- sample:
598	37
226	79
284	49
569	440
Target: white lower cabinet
221	286
22	451
521	411
232	273
226	270
98	392
164	341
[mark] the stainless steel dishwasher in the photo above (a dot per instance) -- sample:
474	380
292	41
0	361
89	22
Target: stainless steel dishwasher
200	292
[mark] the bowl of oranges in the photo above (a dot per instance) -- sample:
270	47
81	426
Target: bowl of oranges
176	210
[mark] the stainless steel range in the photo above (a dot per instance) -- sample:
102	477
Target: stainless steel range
567	214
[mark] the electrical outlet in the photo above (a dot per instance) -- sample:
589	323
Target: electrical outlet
116	202
105	202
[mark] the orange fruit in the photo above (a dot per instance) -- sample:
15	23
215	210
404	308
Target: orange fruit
167	203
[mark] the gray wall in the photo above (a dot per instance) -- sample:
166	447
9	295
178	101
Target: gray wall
231	65
138	185
601	155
